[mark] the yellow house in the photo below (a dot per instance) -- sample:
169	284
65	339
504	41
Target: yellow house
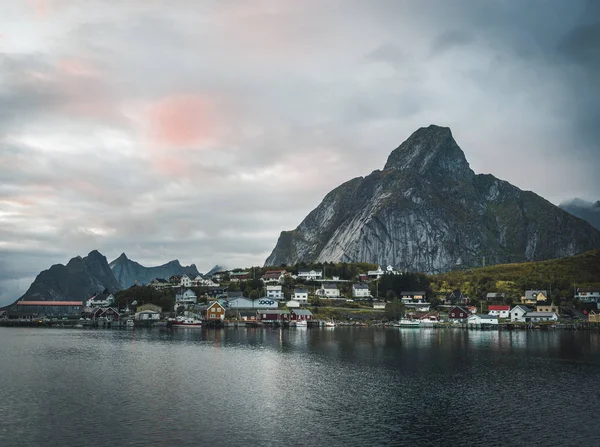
594	316
546	308
534	296
215	312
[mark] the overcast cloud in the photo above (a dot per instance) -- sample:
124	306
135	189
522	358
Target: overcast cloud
199	130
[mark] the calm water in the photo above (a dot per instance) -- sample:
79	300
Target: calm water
339	386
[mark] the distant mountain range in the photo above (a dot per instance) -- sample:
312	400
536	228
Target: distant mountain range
428	211
84	277
585	210
129	272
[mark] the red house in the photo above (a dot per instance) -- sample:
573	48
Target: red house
499	310
271	315
459	314
301	314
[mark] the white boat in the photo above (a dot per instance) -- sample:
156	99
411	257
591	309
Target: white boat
330	323
301	323
129	323
186	322
407	323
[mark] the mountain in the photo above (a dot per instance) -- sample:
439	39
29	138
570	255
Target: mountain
215	269
76	281
585	210
428	211
129	272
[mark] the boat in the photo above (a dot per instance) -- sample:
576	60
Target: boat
129	323
186	322
407	323
330	323
301	323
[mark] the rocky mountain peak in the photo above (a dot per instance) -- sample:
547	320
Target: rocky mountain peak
430	150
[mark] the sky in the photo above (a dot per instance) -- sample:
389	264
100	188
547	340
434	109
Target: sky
199	130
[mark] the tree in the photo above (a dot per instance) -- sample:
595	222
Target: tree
394	310
253	294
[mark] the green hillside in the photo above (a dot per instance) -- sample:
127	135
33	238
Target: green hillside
558	275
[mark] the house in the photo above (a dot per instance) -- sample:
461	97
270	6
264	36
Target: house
546	308
493	296
3	315
106	314
300	295
457	296
148	307
429	317
300	314
247	315
517	313
413	297
275	292
215	311
497	310
272	316
379	305
360	290
534	296
185	297
479	319
217	292
101	300
310	274
329	290
185	281
147	315
239	276
206	282
175	280
159	283
292	304
535	317
588	294
273	276
376	273
594	316
458	314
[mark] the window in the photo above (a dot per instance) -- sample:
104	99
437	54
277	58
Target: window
212	315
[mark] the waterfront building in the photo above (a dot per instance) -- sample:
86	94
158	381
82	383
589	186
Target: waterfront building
215	311
479	319
536	317
101	300
273	316
502	311
301	314
458	314
50	308
517	313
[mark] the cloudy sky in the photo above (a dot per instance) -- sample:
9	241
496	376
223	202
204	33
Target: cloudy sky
199	130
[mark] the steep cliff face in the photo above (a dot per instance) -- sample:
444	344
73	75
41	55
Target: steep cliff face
129	272
428	211
76	281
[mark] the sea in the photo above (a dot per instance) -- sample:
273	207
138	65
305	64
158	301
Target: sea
264	386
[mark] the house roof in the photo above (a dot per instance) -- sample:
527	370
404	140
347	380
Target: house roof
360	286
532	294
302	312
520	306
495	295
49	303
413	293
309	271
540	314
461	308
247	313
588	289
239	273
273	311
484	316
498	307
300	290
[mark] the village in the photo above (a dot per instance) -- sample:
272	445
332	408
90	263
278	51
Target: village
304	298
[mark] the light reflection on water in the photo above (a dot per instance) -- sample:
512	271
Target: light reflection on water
342	386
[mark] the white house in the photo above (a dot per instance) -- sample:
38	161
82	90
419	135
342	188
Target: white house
275	292
147	315
360	290
101	300
185	281
499	310
292	304
329	291
517	313
185	297
588	294
309	274
479	319
376	273
300	295
378	304
535	317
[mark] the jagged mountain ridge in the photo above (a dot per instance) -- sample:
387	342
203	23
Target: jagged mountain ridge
585	210
128	272
80	279
428	211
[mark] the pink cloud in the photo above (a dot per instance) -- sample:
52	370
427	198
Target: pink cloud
181	121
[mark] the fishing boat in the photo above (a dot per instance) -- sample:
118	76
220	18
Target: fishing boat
301	323
129	323
407	323
330	323
186	322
